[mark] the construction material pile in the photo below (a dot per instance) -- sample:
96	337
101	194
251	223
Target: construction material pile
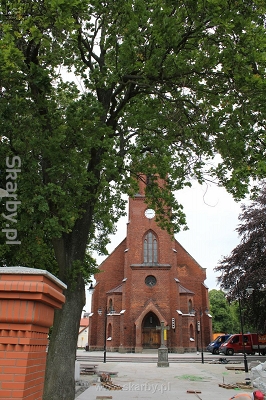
107	383
258	377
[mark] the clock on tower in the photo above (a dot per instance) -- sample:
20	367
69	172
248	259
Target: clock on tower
149	213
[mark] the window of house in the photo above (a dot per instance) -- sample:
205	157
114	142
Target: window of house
150	249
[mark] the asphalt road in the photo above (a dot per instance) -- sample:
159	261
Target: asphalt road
151	357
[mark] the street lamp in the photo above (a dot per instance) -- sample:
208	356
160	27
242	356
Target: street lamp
105	329
199	329
242	328
91	288
91	291
241	322
250	290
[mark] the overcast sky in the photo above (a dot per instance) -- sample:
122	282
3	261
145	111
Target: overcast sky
212	217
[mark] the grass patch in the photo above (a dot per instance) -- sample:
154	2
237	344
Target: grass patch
190	377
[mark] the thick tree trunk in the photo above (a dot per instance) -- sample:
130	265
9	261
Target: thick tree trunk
60	367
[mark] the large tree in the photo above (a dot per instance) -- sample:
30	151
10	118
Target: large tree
225	316
244	268
163	87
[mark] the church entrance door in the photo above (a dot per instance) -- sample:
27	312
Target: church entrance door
150	335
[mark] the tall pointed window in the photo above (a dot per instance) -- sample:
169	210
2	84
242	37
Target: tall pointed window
149	180
190	308
150	249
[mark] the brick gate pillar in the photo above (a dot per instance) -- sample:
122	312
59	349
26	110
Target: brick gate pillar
28	298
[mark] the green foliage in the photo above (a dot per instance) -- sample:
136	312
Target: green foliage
224	318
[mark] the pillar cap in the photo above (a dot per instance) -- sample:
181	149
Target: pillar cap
32	271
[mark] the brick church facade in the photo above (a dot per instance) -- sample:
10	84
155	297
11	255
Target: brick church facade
147	279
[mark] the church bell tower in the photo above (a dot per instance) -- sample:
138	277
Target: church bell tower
149	279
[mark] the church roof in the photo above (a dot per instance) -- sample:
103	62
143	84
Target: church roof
184	290
117	289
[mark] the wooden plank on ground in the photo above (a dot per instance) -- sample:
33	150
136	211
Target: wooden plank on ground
99	373
235	386
89	365
86	369
193	391
228	386
111	386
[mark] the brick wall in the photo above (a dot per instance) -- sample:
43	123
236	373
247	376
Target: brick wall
23	360
28	298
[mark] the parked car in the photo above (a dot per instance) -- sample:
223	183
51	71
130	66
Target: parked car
214	346
253	343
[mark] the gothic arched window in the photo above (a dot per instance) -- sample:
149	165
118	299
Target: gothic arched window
190	308
110	306
191	331
150	249
109	332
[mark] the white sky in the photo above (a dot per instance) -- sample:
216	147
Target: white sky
212	217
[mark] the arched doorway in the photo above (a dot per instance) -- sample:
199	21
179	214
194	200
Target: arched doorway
150	335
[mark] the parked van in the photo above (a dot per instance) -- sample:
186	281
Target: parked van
214	346
253	343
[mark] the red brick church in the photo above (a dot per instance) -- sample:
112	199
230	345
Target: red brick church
149	278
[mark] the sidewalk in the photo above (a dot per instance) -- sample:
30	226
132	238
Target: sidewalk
147	381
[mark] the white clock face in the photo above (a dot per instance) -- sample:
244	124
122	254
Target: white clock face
149	213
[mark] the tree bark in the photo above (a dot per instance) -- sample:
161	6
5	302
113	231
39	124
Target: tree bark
60	367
